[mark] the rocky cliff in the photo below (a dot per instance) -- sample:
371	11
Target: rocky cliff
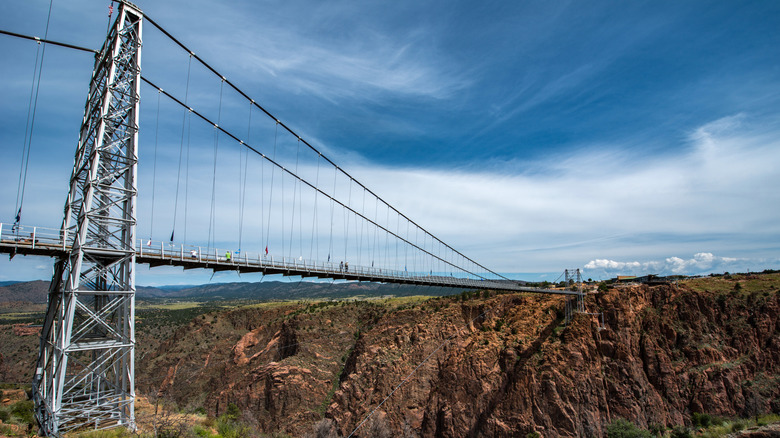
498	365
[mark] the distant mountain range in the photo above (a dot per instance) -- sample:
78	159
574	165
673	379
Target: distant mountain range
36	291
24	291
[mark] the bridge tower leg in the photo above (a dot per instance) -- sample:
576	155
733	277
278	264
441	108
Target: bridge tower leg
84	376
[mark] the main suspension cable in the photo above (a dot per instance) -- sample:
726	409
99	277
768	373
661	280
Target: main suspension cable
284	170
289	130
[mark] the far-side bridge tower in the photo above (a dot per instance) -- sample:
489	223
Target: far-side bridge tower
84	375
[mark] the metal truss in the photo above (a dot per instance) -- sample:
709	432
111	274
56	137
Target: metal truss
575	303
85	372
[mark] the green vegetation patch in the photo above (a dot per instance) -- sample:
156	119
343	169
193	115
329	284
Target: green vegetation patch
741	283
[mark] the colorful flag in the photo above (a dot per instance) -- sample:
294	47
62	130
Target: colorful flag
266	250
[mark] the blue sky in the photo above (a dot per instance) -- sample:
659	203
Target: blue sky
628	137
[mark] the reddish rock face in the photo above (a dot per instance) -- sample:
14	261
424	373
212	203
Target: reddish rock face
498	366
665	353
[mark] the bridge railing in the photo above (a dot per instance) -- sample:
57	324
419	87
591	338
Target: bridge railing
200	255
42	239
34	237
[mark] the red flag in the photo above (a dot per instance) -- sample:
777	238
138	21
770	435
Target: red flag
266	250
110	10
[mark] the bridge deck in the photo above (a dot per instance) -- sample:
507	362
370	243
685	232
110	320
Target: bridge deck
46	242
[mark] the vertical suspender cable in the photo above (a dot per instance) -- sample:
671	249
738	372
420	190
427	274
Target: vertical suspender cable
262	202
406	248
295	194
271	192
212	215
28	139
154	166
22	167
346	222
332	206
242	174
387	237
300	208
376	231
181	148
187	175
315	226
360	241
281	222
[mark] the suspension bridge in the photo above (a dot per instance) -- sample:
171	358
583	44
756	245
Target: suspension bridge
299	214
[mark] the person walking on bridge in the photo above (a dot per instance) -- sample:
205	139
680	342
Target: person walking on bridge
227	256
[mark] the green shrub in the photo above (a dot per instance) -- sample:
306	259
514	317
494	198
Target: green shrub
201	432
24	411
737	426
681	432
656	429
701	420
532	435
231	429
622	428
4	415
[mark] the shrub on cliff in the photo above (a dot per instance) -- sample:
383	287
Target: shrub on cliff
681	432
701	420
622	428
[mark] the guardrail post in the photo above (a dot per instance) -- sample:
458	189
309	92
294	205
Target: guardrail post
34	233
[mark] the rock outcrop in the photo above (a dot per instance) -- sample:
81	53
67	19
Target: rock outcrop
503	365
664	353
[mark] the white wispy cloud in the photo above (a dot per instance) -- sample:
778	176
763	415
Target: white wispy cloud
717	194
700	264
359	63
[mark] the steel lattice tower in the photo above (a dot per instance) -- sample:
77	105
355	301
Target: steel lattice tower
85	373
